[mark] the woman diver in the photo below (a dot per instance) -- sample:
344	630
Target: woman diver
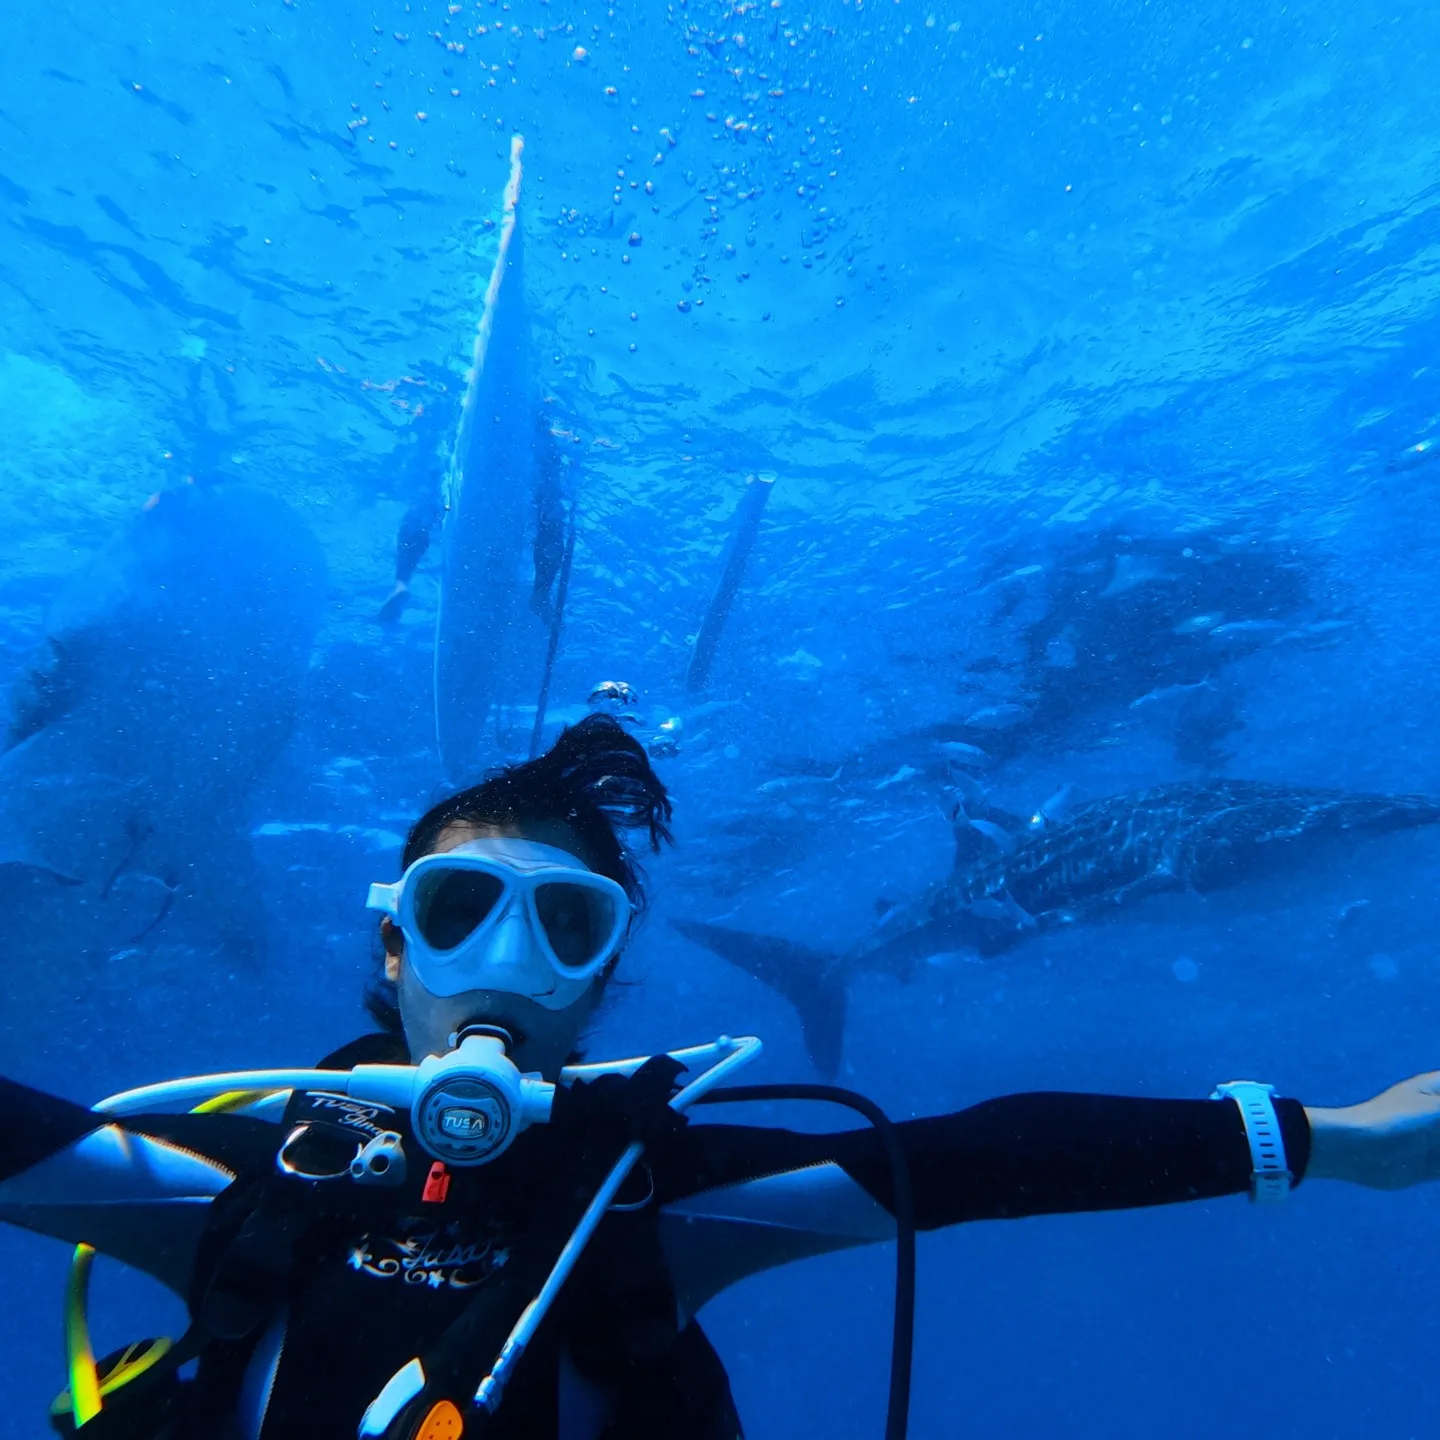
335	1290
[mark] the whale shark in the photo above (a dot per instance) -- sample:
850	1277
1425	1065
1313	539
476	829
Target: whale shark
166	681
1016	877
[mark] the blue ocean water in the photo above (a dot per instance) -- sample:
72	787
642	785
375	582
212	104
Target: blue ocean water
1036	313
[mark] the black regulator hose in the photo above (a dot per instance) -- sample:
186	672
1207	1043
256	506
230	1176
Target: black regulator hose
897	1418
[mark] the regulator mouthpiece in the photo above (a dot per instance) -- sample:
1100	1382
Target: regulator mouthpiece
470	1104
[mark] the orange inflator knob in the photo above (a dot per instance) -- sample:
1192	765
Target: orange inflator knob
443	1422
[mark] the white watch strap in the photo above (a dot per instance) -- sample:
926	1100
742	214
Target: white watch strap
1270	1176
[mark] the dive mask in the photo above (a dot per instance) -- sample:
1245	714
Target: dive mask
508	915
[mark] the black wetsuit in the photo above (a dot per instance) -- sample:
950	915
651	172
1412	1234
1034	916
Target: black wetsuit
379	1275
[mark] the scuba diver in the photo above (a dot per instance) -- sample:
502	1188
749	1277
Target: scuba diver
352	1268
420	473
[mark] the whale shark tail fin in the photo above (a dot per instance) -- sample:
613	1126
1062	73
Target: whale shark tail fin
807	978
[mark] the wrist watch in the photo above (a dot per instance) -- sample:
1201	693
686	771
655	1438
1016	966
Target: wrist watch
1270	1177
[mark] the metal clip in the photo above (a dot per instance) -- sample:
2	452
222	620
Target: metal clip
290	1161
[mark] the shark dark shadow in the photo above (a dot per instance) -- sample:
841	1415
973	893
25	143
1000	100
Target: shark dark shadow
1019	876
167	680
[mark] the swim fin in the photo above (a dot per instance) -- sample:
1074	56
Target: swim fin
807	978
394	605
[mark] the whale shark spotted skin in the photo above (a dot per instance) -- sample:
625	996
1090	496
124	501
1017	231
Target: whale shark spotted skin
1197	837
1100	861
165	684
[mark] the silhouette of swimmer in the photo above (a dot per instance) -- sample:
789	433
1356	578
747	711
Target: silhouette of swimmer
420	467
548	547
421	479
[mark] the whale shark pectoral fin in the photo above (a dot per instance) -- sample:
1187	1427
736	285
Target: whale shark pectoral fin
1159	881
18	867
808	979
139	902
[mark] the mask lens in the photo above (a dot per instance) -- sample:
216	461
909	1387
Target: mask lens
578	921
450	905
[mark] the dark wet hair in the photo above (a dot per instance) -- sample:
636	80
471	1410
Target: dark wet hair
596	779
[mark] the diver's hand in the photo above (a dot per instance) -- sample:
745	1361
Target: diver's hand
1387	1143
617	1109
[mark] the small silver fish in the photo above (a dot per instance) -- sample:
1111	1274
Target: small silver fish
1246	629
1053	811
1417	454
963	754
1198	624
1317	634
1132	571
1002	839
996	717
1169	694
905	772
1004	909
1060	654
782	783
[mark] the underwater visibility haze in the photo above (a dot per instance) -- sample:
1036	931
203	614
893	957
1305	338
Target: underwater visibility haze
986	453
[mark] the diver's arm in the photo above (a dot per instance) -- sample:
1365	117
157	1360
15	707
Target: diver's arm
1387	1143
1043	1154
36	1126
735	1201
1015	1156
142	1198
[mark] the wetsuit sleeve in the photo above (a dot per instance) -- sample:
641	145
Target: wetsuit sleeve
1019	1155
36	1126
140	1193
1046	1154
